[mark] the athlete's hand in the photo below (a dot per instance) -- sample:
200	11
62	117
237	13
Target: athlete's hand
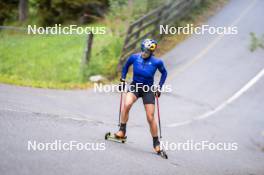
122	85
158	92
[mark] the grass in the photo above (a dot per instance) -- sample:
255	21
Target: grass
15	80
54	61
256	42
41	58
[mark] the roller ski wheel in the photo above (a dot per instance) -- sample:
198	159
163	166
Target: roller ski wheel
162	154
112	137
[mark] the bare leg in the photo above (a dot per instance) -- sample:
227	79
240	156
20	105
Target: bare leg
129	100
150	109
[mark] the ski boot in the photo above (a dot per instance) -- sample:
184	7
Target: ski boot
157	149
119	136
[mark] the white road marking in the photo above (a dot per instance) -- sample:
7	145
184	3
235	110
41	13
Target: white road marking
246	87
200	55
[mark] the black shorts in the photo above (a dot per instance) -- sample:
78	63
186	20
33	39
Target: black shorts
147	94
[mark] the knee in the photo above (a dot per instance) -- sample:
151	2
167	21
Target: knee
127	107
150	118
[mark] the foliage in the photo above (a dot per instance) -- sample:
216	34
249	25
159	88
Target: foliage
256	42
54	61
8	10
59	11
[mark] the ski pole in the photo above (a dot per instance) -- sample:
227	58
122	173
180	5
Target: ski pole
157	99
120	108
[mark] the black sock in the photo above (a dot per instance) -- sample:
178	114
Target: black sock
156	141
123	127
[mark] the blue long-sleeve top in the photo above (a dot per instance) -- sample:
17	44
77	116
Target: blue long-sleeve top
145	69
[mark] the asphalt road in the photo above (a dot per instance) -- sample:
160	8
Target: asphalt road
217	97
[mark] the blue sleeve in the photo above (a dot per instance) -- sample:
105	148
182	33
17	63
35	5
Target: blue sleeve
126	66
163	72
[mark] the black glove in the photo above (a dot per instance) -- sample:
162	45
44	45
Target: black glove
122	85
157	92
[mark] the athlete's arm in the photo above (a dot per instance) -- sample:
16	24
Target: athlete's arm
126	67
163	72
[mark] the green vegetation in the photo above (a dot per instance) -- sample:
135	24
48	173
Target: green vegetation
42	58
7	9
54	61
56	58
256	42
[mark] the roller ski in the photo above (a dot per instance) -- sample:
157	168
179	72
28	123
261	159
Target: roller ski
162	154
113	137
144	63
119	136
157	149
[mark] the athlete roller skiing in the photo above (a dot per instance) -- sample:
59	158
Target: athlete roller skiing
145	66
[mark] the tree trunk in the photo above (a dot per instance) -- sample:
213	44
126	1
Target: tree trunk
23	10
130	3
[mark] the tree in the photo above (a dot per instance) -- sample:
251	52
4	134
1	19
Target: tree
60	11
23	10
8	10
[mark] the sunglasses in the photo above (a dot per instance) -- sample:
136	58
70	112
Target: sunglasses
147	52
